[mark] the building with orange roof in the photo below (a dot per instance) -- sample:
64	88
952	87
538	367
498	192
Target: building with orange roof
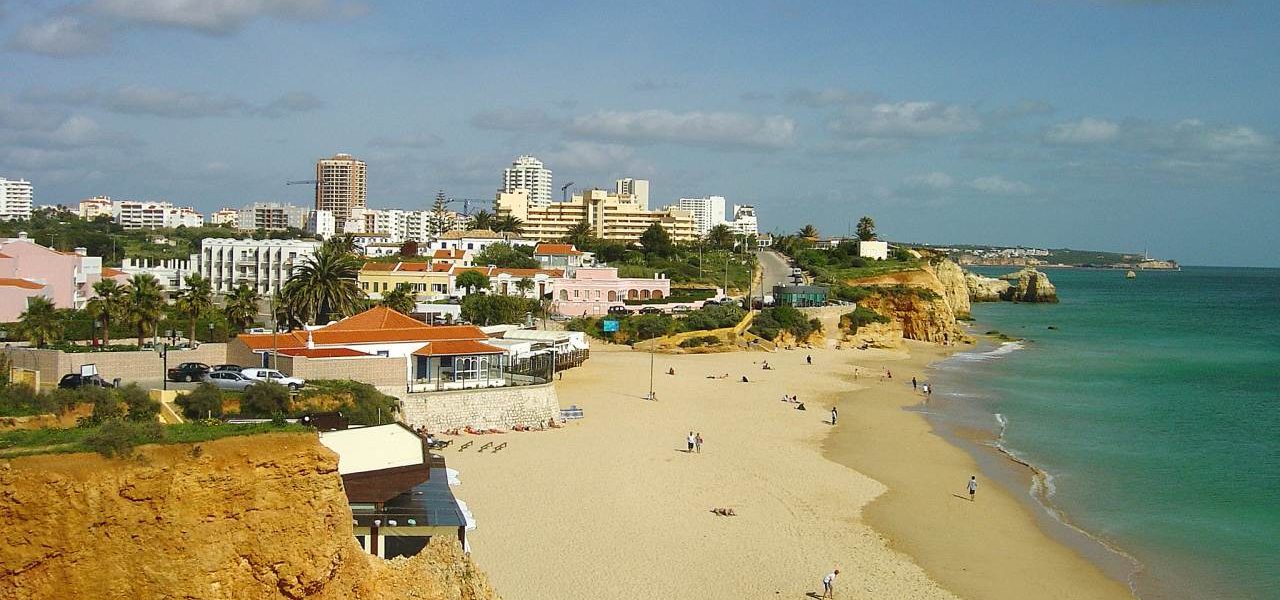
561	256
434	356
28	270
424	282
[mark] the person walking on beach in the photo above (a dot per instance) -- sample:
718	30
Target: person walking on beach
913	383
973	486
691	441
829	584
697	442
808	359
833	415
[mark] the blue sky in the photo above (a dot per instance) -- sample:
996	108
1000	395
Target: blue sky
1090	124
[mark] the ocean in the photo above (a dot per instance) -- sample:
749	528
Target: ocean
1152	407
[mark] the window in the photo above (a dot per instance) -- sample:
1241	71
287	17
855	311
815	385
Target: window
384	353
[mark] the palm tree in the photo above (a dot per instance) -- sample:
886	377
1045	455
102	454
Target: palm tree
40	321
579	234
106	305
509	224
194	301
399	299
325	285
524	286
808	231
482	220
242	306
144	304
720	237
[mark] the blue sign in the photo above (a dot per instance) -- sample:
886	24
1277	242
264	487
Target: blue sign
609	325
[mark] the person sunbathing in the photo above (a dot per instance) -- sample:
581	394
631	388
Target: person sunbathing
724	512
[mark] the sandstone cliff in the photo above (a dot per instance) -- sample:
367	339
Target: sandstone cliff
1029	285
247	517
954	287
925	316
984	289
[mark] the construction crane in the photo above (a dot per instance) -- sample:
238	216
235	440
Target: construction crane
564	191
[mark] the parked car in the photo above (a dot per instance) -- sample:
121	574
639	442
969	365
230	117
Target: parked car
619	310
273	376
651	310
188	371
710	302
680	309
232	368
229	380
71	381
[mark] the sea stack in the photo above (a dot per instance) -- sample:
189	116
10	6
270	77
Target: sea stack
1029	285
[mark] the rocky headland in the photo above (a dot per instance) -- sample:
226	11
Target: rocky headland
1029	285
245	517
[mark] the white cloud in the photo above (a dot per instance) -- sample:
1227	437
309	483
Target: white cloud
997	185
173	103
906	119
63	36
710	128
936	180
1085	131
214	17
514	119
590	156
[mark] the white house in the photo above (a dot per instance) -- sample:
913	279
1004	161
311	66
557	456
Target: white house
874	249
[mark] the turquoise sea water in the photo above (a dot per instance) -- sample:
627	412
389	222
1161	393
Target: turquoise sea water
1154	407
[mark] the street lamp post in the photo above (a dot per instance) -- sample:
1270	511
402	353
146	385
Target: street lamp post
210	333
164	365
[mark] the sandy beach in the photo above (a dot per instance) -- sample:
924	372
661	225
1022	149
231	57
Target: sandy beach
614	507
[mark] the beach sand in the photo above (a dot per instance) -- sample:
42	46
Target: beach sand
614	507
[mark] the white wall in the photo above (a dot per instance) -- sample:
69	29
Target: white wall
373	448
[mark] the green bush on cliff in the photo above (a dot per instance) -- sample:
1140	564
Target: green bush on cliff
773	321
860	316
203	402
118	438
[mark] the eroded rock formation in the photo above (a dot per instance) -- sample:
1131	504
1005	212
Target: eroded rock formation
984	289
246	517
1029	285
925	315
954	287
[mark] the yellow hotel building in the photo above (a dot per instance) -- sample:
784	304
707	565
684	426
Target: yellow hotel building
612	216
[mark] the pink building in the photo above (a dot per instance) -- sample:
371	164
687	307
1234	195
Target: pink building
28	269
591	291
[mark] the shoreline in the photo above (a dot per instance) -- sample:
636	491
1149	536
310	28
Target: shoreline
612	506
910	506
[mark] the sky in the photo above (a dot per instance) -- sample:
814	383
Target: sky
1114	125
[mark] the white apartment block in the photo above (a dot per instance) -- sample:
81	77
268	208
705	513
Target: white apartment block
342	185
15	199
399	225
321	223
476	240
139	214
707	212
636	188
264	265
172	273
222	216
527	173
744	220
272	216
92	208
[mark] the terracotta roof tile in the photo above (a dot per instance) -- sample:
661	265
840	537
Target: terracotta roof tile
323	352
110	272
378	266
414	266
454	348
557	249
20	283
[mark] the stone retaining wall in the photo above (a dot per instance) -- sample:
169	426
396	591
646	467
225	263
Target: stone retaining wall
134	366
483	409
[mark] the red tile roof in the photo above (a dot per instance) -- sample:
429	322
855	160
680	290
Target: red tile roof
378	266
557	249
20	283
446	253
441	268
323	352
376	325
416	267
110	272
457	347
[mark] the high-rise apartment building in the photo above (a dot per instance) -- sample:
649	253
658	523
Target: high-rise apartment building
342	185
744	220
636	188
527	173
611	216
707	212
272	216
15	199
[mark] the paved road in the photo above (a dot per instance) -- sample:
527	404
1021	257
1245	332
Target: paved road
776	270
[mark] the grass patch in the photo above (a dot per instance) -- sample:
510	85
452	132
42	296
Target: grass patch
118	437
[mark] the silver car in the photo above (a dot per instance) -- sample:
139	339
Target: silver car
229	380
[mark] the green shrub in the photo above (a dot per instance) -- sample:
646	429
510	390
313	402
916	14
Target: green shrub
202	402
118	438
367	406
861	316
264	399
139	404
711	317
773	321
699	341
106	404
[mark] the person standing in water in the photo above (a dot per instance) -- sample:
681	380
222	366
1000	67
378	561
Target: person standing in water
973	486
